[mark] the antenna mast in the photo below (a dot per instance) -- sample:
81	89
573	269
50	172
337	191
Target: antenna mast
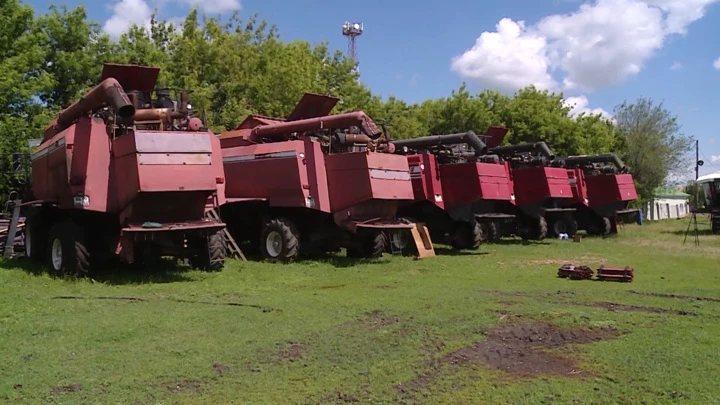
352	31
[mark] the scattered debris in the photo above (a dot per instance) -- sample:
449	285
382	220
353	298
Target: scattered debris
575	272
623	274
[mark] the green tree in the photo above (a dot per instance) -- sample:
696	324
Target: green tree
653	145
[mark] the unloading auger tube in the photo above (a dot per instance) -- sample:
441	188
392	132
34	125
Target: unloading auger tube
108	92
282	130
469	138
601	158
537	147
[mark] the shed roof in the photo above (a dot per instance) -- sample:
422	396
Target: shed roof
668	192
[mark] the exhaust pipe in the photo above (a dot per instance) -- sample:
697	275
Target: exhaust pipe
282	130
469	138
108	92
601	158
534	148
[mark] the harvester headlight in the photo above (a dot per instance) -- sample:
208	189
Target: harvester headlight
512	196
302	156
309	202
587	201
422	166
81	201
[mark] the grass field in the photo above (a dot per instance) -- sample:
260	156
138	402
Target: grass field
492	326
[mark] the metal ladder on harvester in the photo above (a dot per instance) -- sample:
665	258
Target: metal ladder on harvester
13	203
233	247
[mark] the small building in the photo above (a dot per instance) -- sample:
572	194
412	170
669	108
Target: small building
667	203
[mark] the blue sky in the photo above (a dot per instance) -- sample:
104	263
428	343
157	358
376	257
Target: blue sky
598	52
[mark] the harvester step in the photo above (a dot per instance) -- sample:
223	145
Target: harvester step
235	251
424	245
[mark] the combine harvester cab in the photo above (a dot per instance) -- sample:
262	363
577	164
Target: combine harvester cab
122	173
313	183
601	192
459	190
540	191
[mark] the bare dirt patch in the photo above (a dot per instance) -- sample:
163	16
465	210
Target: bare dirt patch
184	386
520	349
65	388
220	368
681	297
622	307
372	320
292	352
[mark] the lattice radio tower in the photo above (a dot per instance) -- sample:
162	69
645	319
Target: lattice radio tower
352	31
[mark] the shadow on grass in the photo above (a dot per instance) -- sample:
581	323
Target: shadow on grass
691	232
162	271
518	241
443	251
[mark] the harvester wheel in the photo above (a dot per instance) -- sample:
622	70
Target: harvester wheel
35	239
212	257
402	240
493	231
565	224
368	244
68	255
534	229
599	226
466	235
279	241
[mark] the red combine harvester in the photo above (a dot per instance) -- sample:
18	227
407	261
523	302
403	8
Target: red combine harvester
601	192
458	194
540	191
313	182
119	173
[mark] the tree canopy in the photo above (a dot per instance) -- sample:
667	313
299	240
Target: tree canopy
238	67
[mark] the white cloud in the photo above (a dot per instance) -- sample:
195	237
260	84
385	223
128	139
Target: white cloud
676	66
715	158
214	6
508	59
128	12
125	14
580	104
716	63
598	45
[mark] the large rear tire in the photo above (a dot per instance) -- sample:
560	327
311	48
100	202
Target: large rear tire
368	244
600	226
564	224
466	235
211	257
67	253
280	241
35	239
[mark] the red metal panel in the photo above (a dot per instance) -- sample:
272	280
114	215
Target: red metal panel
465	183
286	169
426	179
219	172
534	184
357	177
313	105
132	77
90	168
579	186
609	189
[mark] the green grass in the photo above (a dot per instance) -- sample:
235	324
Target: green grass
178	330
